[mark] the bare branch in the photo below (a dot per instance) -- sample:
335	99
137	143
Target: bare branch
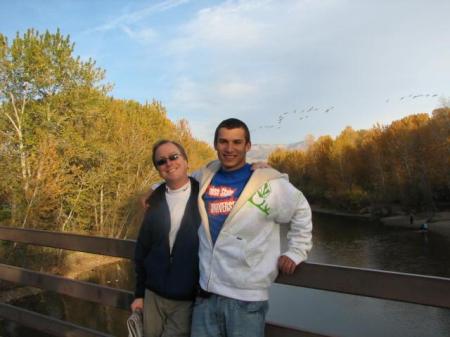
19	132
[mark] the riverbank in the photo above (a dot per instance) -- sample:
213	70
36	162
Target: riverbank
320	210
439	222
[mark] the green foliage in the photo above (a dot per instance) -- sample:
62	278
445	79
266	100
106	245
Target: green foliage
407	162
72	158
5	212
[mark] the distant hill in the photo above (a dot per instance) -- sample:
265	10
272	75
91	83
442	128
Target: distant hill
260	152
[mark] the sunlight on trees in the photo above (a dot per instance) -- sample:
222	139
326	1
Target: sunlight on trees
406	163
73	158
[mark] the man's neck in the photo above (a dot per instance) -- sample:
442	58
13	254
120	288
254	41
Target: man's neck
233	168
174	185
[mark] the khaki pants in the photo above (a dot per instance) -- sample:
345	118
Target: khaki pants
166	318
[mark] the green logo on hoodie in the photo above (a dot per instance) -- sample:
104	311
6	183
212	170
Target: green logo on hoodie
259	199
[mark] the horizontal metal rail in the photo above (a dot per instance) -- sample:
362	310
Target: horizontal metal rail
272	329
50	325
76	242
419	289
96	293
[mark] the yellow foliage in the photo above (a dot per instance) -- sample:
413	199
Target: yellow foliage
407	161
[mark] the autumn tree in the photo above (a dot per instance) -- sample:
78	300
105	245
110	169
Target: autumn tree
73	158
406	162
42	89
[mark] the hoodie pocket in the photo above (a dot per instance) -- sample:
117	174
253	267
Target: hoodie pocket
257	248
262	256
230	264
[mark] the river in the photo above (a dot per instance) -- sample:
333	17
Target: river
337	240
359	243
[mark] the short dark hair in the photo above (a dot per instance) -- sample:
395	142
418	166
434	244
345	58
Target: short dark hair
232	123
166	141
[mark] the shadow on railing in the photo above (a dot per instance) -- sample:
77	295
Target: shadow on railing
425	290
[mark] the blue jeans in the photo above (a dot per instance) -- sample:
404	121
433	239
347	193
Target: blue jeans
219	316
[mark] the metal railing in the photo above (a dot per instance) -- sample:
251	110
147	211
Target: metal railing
425	290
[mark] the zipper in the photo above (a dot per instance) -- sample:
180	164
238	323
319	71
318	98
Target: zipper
210	268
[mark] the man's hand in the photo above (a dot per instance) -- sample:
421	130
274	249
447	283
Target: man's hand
260	165
138	304
144	199
286	265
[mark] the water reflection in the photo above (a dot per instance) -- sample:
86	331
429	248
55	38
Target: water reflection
90	315
344	315
357	243
119	275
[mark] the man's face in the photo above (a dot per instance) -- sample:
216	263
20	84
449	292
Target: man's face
174	168
231	148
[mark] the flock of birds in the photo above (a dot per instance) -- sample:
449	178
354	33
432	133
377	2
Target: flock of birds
411	96
303	114
310	110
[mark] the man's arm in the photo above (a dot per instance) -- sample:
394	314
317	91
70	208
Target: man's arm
297	212
197	175
260	165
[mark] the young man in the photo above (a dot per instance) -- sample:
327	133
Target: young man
239	250
166	255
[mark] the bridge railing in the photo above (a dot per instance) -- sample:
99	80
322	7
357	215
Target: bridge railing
418	289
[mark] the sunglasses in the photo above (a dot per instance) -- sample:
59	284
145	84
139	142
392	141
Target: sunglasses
163	161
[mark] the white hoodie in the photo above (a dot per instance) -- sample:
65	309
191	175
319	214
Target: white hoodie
243	262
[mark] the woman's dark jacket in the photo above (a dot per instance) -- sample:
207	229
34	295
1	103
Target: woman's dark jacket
171	275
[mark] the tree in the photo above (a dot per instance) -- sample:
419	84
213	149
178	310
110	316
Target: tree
406	162
39	79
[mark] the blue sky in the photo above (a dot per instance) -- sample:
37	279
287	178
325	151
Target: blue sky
364	61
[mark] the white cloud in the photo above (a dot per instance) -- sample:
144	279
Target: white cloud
144	35
190	95
240	58
257	59
234	90
223	27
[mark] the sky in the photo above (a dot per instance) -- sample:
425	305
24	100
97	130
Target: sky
287	68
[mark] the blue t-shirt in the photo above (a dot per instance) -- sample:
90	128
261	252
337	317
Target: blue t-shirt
221	195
